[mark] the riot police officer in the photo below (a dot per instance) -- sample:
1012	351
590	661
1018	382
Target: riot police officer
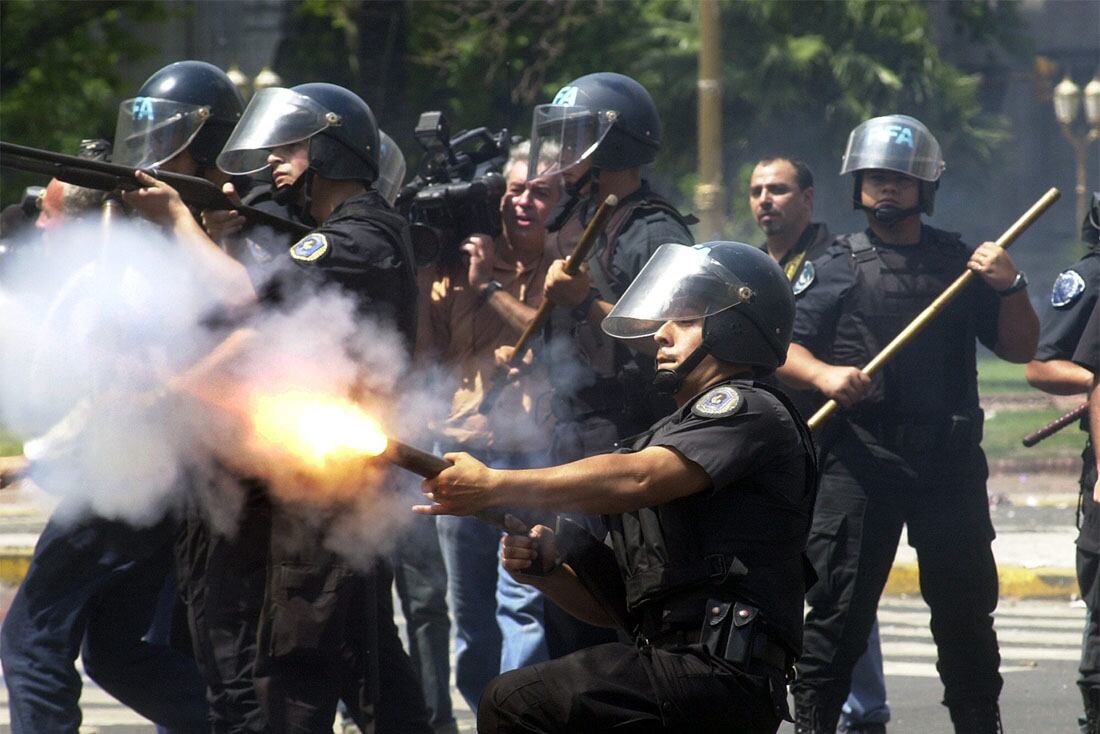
93	586
707	511
598	132
267	669
908	449
1072	299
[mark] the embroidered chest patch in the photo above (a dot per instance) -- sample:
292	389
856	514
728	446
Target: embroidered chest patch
718	403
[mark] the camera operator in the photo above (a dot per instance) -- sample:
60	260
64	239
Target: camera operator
469	311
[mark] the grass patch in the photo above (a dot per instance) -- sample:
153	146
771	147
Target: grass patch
9	444
1005	429
995	376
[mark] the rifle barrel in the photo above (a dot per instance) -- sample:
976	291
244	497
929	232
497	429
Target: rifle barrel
93	174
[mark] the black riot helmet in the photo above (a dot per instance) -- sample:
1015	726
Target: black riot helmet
738	290
340	128
186	105
894	143
606	117
1090	227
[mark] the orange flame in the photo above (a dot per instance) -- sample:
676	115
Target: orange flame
317	430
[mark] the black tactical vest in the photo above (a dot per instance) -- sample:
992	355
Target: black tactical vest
606	378
935	374
743	543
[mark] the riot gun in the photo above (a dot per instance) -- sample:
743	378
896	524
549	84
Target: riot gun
457	189
94	174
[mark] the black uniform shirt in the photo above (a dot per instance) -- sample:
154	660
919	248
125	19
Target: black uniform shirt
757	509
811	244
1087	353
935	372
1072	298
363	247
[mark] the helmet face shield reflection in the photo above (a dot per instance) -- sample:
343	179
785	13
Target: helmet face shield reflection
679	283
151	131
274	117
391	165
562	136
894	143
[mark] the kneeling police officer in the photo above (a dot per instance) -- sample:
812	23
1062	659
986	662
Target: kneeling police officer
708	513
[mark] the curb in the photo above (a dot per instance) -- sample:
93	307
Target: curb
1016	582
14	562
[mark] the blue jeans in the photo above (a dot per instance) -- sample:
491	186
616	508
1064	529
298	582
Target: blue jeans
94	586
421	581
498	622
866	702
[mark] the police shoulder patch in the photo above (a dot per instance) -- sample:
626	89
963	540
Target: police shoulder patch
1067	288
805	278
309	248
718	402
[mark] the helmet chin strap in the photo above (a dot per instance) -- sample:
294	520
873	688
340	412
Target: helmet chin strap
576	188
889	214
669	382
287	195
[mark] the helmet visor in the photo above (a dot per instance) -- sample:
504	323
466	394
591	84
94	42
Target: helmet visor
679	283
274	117
391	164
894	143
562	136
151	130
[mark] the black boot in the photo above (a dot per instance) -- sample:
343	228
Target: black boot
976	716
1091	723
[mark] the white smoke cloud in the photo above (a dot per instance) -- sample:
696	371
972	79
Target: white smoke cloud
96	327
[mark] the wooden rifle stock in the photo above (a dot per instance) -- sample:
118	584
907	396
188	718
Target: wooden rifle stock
93	174
933	309
577	258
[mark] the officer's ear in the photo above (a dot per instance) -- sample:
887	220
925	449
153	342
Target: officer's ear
808	193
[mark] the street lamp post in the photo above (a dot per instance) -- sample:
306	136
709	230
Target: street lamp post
1068	100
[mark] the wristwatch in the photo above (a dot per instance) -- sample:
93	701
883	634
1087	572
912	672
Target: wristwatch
580	313
490	288
1017	285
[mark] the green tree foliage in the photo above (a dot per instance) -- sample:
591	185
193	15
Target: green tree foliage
796	75
59	69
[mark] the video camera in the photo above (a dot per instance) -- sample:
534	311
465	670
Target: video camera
457	189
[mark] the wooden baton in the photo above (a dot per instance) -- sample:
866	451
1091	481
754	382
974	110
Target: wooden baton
572	266
933	309
1056	425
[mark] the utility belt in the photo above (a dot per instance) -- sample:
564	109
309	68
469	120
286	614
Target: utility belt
730	630
925	434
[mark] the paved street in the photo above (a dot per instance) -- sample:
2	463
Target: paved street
1040	638
1040	645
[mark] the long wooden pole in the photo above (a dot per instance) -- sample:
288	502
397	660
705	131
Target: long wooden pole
572	266
934	308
